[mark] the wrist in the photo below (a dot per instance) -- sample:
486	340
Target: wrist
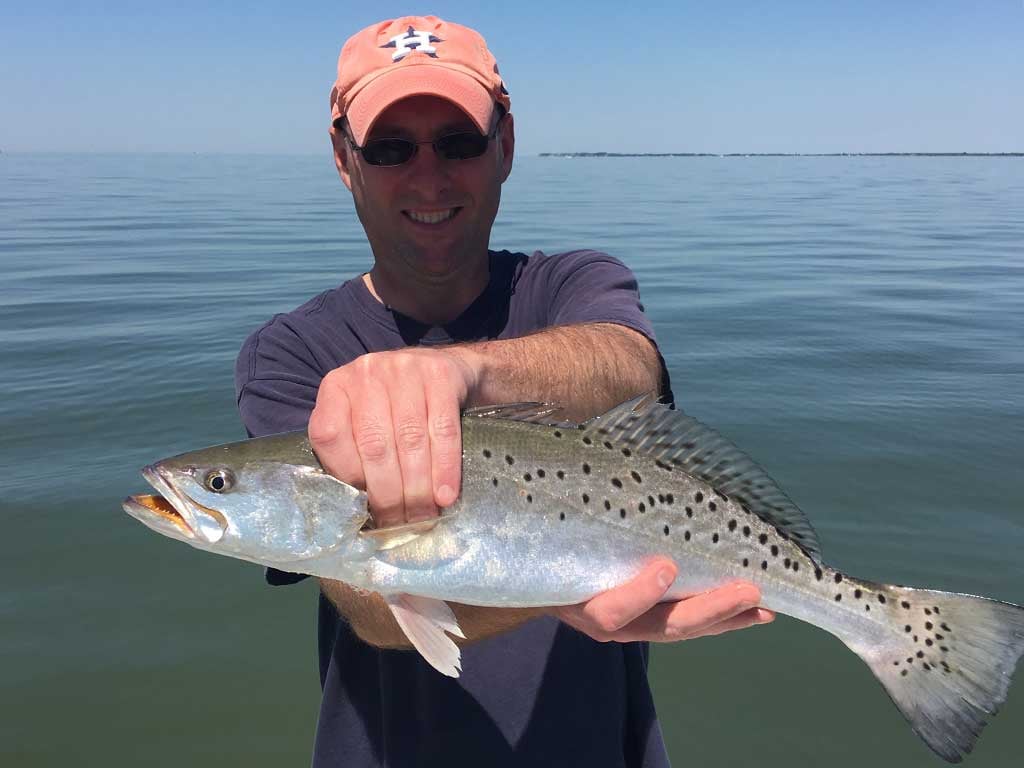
473	366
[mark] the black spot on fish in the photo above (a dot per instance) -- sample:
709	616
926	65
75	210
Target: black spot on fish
712	506
746	530
686	535
881	599
936	609
775	550
607	504
626	452
907	629
587	441
661	498
857	593
540	473
663	465
622	513
839	578
732	525
796	566
527	476
939	636
927	612
494	482
650	500
867	607
928	642
529	498
616	482
764	565
586	469
818	574
915	638
666	530
560	475
903	673
689	511
905	604
557	433
838	598
509	460
927	625
945	626
607	445
561	515
487	454
636	477
670	499
920	654
746	562
944	649
698	497
763	538
785	563
586	498
642	507
714	538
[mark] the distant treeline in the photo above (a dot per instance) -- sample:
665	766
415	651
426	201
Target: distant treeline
782	154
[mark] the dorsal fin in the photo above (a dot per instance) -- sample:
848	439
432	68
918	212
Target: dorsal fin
531	413
683	443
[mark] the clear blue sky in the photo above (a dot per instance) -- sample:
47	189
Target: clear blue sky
729	76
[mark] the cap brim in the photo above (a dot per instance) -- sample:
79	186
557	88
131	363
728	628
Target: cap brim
419	80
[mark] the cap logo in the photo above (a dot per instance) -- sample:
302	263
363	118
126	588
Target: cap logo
412	40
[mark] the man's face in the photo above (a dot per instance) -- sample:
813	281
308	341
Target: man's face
392	202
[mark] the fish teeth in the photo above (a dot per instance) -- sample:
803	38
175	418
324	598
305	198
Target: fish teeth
431	217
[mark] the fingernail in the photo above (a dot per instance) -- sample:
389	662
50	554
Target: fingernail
665	578
445	495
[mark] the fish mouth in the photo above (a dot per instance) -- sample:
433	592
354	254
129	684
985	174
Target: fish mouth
195	520
156	511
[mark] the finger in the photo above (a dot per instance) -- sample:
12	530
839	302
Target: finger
445	429
373	432
610	611
749	618
330	434
688	618
412	446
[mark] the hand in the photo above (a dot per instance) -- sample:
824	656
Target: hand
632	612
389	422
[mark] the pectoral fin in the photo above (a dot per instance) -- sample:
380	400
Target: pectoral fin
425	621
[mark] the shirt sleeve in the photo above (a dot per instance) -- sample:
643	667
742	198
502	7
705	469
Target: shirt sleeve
593	287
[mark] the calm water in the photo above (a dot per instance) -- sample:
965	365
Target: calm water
856	324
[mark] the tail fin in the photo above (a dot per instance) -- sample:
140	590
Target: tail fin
953	667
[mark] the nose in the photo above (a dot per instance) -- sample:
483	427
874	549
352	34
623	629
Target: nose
429	175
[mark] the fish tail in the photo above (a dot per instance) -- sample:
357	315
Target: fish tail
949	665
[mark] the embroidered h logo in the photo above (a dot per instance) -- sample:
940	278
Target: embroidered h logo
413	40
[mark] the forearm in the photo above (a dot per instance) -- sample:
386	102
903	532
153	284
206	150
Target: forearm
371	619
585	368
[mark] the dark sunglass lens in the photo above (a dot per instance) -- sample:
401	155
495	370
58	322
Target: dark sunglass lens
388	151
462	146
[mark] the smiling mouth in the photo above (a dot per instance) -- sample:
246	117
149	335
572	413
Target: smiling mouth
432	217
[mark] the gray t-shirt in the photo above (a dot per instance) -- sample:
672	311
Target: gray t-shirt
541	695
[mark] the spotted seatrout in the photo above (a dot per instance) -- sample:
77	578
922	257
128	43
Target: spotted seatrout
552	514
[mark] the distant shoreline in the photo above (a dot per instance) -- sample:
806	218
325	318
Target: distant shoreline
781	154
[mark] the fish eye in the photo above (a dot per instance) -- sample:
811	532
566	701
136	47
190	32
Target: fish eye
219	480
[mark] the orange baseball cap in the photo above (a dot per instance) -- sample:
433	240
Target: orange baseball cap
414	56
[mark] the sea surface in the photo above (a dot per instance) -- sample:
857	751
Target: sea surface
855	324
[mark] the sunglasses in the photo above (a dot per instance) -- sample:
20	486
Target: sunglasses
464	145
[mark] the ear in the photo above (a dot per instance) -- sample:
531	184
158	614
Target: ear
342	155
507	142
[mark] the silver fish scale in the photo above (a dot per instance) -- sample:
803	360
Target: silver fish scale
563	477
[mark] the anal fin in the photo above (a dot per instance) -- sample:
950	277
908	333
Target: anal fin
425	621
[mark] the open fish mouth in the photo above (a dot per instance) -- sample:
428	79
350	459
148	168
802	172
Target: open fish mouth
151	509
172	506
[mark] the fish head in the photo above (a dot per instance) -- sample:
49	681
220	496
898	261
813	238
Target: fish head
265	500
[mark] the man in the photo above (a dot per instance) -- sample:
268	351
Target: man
379	369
